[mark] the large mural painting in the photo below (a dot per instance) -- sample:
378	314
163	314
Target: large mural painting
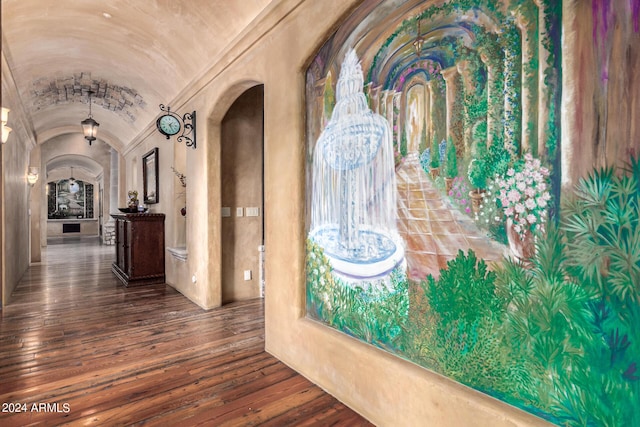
451	224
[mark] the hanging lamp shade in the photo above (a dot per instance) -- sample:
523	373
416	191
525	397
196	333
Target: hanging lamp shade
90	126
90	129
419	41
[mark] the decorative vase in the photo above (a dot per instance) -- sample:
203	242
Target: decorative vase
448	183
522	246
435	172
476	199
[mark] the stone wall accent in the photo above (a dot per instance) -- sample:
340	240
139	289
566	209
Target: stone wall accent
109	233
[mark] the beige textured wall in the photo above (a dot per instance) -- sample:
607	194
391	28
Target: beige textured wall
14	205
172	196
35	206
15	158
241	154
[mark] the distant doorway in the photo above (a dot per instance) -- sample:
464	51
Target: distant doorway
242	188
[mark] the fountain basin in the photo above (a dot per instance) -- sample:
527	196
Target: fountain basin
374	256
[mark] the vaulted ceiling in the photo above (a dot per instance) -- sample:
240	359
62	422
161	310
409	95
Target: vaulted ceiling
134	55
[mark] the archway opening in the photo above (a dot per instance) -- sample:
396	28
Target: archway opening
242	196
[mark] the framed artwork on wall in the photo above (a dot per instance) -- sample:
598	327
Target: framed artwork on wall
150	176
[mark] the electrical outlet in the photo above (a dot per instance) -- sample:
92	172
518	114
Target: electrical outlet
247	275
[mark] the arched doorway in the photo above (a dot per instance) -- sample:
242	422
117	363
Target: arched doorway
242	184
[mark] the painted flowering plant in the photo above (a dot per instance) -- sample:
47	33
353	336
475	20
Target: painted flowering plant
524	195
459	194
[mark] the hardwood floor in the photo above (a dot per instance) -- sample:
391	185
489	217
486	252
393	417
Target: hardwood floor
77	348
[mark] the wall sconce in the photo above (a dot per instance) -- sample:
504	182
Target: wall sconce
90	126
6	130
32	176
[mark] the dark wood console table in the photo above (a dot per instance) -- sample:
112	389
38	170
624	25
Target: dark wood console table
139	249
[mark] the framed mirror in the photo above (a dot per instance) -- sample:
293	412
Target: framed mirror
150	176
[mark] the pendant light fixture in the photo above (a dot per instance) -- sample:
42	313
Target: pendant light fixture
419	41
90	126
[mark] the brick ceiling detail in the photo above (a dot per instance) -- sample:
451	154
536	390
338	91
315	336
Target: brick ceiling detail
124	101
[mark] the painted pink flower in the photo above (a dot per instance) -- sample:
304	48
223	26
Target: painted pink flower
541	202
531	219
514	196
519	208
530	204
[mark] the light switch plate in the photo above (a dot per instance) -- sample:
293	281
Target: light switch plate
226	211
247	275
253	211
239	212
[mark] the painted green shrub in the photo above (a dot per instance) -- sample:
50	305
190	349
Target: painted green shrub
546	327
423	140
403	144
329	97
462	314
602	223
451	166
374	315
435	158
498	159
478	170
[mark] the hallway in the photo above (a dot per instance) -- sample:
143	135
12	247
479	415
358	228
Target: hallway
108	355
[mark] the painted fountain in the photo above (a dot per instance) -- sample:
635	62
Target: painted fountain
353	207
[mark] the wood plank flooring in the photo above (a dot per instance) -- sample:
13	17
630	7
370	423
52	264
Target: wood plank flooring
87	351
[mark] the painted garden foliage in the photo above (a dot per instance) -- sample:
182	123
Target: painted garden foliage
445	222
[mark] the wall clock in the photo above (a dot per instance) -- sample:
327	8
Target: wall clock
169	124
